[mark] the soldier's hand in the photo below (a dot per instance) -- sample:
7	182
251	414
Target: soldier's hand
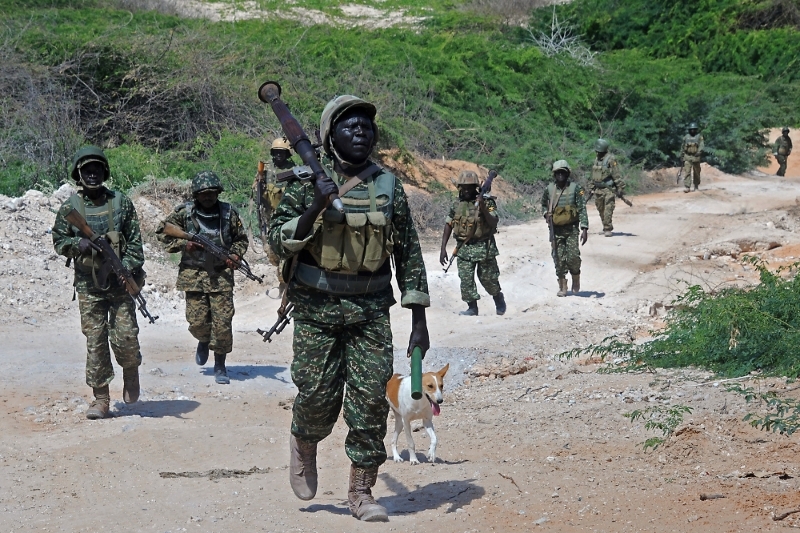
584	236
443	257
192	246
419	331
84	245
323	188
231	261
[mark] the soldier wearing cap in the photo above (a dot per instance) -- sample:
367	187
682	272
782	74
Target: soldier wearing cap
339	280
108	314
691	151
606	184
782	150
474	219
564	205
207	281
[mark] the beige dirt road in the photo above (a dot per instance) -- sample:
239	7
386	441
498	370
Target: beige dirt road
546	449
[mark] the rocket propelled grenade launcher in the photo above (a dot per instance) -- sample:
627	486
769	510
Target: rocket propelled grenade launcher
416	373
270	93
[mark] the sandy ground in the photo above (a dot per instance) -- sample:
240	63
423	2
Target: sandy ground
547	449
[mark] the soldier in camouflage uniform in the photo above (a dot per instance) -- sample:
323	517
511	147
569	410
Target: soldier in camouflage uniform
207	281
691	152
108	314
606	184
782	150
564	205
339	279
271	188
474	221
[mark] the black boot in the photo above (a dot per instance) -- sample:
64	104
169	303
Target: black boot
472	310
201	354
500	303
220	372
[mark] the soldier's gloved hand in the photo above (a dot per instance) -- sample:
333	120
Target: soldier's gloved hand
192	246
584	235
443	257
84	245
322	190
230	261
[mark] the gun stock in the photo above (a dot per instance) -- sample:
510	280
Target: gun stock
174	231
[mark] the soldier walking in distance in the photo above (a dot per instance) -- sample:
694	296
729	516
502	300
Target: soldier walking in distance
606	184
782	150
691	152
281	160
564	206
474	222
108	314
207	281
339	281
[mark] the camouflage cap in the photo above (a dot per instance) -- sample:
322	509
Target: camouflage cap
468	177
693	126
335	108
86	155
206	180
280	143
601	145
561	164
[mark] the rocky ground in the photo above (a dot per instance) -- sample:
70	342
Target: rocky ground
527	440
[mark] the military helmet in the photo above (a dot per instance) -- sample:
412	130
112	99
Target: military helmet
601	145
785	130
280	143
206	180
335	108
561	164
468	177
85	155
693	126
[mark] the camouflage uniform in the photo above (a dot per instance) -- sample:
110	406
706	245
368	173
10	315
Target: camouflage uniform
606	183
782	151
567	236
691	150
477	255
209	296
346	339
107	315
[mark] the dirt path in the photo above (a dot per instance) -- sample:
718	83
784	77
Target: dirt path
546	449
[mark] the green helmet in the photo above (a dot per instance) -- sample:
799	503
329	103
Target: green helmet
601	145
693	126
85	155
206	180
334	109
561	164
785	130
468	177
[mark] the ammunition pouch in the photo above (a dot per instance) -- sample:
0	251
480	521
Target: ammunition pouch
691	149
272	195
783	151
469	225
565	215
341	283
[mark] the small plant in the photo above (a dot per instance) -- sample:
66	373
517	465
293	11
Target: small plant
562	40
784	417
662	418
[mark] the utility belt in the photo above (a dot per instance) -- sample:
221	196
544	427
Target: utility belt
478	241
341	283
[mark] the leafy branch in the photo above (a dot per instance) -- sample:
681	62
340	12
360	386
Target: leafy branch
662	418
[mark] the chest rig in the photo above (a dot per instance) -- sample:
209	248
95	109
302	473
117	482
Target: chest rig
469	224
692	144
563	206
214	224
601	173
105	220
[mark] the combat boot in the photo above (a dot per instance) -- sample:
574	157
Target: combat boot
303	468
696	187
576	283
130	387
562	287
201	354
500	303
220	372
608	233
100	405
362	504
471	310
686	189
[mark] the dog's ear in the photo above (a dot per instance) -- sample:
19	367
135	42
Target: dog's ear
443	371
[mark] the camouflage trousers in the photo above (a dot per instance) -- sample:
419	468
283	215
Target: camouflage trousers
210	317
567	250
782	164
691	169
604	201
488	275
108	317
350	365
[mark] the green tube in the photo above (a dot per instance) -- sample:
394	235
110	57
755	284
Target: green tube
416	373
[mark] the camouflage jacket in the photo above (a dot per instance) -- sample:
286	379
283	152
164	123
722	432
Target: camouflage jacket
784	142
476	251
194	278
689	140
66	239
314	305
605	173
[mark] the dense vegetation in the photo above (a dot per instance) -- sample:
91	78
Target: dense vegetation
168	96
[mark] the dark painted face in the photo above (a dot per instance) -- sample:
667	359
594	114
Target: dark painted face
207	198
561	178
467	193
280	157
92	174
353	136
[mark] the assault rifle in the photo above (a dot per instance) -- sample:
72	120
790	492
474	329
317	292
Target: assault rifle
111	263
261	183
284	317
485	194
551	227
212	249
678	179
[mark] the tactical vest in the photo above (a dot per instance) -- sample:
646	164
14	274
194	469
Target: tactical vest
601	173
783	146
468	217
692	144
563	204
106	221
216	226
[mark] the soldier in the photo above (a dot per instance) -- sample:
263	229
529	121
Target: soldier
207	282
271	188
606	184
474	221
691	151
108	314
564	206
782	150
339	280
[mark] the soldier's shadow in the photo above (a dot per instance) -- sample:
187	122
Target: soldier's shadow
156	408
589	294
622	234
245	372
